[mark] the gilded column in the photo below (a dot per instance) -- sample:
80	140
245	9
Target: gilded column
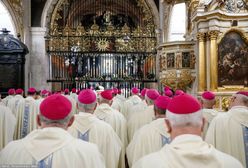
213	60
202	63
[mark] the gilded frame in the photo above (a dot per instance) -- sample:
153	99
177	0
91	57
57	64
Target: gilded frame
244	36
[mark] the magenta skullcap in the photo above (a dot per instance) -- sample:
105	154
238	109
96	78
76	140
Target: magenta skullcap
44	92
11	91
19	91
168	93
152	94
115	90
107	94
162	102
55	107
66	91
179	92
135	90
245	93
143	92
73	90
87	96
184	104
119	91
31	90
208	95
166	88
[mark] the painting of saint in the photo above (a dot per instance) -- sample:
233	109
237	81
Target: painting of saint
232	60
170	60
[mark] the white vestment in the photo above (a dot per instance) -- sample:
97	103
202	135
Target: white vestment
208	114
51	147
89	128
229	133
118	102
74	96
117	121
7	126
6	99
188	151
129	103
12	103
140	115
26	112
148	139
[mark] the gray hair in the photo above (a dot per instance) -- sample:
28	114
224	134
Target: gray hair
243	99
63	122
86	107
182	120
102	100
208	103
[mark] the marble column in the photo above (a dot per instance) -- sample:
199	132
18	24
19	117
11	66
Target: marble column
202	62
39	61
213	60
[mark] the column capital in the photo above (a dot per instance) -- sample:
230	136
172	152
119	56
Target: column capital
213	34
201	36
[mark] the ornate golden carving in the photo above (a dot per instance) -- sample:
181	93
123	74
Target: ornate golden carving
201	36
213	34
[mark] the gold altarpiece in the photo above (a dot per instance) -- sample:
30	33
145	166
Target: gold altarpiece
215	25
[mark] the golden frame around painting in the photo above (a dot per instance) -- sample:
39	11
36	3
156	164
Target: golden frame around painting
232	87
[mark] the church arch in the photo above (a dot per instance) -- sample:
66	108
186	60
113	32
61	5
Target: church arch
104	41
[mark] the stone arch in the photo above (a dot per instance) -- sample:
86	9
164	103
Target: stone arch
16	23
51	4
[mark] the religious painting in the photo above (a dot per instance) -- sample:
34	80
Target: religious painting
186	60
170	60
232	60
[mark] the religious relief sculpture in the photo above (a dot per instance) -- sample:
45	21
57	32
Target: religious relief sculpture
163	62
179	60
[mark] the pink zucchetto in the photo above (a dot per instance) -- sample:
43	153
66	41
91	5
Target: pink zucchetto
168	93
107	94
162	102
44	92
119	91
152	94
184	104
245	93
115	90
166	88
178	92
73	90
87	96
208	95
19	91
143	92
31	90
66	91
55	107
11	91
135	90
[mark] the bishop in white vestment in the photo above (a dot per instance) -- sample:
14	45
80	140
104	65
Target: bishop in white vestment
114	118
229	132
185	123
89	128
7	126
26	112
140	117
52	146
12	103
208	101
151	137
